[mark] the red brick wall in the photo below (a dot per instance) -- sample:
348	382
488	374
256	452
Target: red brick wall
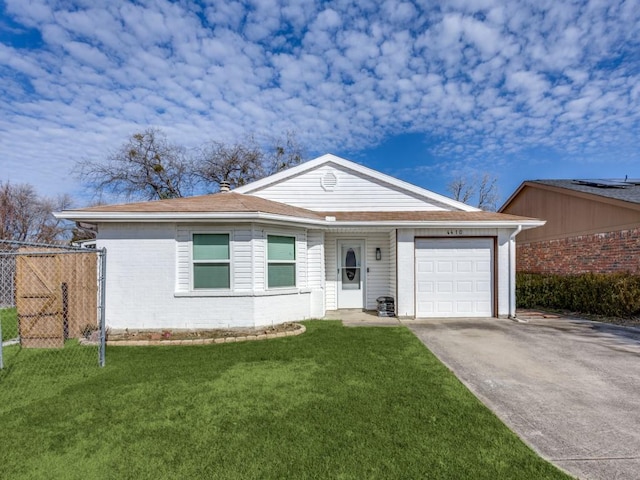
597	253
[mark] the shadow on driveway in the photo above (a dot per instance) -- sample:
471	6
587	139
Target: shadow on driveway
570	388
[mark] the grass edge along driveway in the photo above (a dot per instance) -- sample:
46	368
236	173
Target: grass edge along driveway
336	402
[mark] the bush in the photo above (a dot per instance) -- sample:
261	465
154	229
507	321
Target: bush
608	294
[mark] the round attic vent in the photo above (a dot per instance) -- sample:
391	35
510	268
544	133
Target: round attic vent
329	181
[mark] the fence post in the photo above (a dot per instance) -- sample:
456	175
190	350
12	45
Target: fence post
103	333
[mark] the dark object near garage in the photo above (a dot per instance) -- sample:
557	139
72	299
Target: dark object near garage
386	307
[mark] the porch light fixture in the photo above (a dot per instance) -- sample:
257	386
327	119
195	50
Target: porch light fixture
378	253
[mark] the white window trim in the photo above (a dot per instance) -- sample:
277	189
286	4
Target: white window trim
294	262
192	289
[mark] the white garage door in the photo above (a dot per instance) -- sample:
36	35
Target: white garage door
454	277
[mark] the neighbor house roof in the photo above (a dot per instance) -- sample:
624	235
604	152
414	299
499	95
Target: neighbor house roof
607	189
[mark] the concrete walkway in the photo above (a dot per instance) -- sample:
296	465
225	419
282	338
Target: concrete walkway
569	388
359	318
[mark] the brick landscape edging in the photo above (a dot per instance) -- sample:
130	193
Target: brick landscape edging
208	341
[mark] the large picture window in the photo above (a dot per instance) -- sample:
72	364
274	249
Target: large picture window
281	260
211	261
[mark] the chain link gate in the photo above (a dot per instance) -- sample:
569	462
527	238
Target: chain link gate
51	307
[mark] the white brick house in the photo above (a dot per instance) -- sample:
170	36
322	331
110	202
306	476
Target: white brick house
325	235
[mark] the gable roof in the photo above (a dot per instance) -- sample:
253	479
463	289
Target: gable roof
623	193
223	202
231	206
202	206
329	159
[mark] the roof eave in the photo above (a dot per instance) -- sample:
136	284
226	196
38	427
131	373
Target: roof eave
149	217
526	224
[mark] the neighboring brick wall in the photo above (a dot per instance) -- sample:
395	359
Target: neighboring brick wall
597	253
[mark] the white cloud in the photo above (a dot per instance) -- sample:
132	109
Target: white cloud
481	77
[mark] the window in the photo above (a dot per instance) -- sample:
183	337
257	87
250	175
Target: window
281	260
211	265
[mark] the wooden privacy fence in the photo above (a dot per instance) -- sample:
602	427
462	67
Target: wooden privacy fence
56	296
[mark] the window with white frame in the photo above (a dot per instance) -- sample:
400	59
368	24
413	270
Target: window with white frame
211	261
281	261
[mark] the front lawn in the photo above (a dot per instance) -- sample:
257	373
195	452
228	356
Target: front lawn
9	323
335	402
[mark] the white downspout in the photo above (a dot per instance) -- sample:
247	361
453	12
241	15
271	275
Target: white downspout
512	272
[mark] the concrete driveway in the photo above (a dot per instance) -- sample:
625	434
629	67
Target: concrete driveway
569	388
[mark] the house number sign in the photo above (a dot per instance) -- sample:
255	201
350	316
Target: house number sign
454	232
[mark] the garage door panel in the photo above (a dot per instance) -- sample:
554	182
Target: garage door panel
454	277
465	307
465	266
483	267
444	308
425	287
445	267
425	267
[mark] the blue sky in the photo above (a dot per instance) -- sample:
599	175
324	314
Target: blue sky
422	90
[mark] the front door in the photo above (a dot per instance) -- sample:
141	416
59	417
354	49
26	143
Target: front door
350	274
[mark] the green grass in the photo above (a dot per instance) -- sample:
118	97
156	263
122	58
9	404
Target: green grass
9	323
335	402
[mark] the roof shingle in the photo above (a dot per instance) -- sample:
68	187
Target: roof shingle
215	203
628	193
230	202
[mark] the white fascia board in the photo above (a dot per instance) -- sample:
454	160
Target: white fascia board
440	224
112	217
382	177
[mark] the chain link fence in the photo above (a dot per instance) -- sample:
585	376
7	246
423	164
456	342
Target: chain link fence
51	308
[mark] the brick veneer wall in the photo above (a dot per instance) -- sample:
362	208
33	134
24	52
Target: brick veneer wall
597	253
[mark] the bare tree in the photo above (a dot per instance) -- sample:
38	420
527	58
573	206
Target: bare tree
285	152
483	188
488	193
246	161
26	216
146	166
237	164
461	189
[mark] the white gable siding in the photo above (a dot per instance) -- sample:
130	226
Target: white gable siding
352	192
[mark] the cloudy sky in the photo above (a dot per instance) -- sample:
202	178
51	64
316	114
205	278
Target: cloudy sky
422	90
